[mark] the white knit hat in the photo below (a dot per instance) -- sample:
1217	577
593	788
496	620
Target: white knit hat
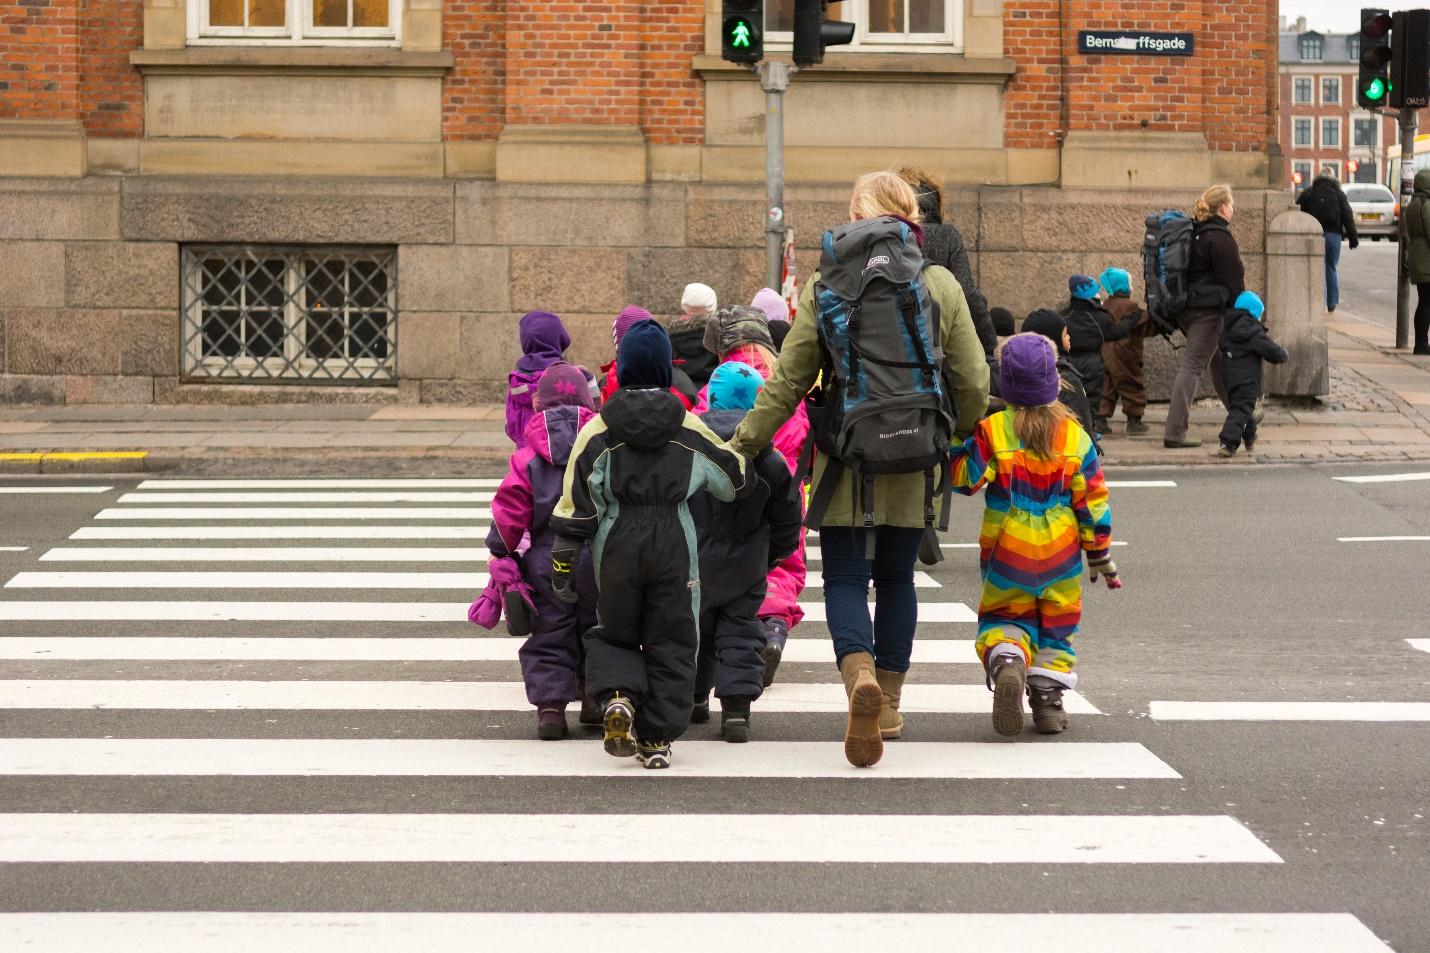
698	300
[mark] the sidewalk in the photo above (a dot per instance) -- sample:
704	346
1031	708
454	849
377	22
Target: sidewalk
1378	411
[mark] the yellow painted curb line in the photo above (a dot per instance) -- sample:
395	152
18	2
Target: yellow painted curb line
75	455
21	457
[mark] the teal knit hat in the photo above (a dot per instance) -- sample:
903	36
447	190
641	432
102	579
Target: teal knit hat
1115	281
734	386
1251	303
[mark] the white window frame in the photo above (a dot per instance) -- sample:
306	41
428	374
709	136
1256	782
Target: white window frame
1305	48
1375	132
1303	122
1310	84
1306	168
1327	122
1334	165
1324	81
298	32
857	12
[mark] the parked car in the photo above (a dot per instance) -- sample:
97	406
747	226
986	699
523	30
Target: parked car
1376	209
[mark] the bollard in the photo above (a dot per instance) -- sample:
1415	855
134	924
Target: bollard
1296	306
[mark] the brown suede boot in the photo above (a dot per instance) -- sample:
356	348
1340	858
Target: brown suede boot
891	723
863	745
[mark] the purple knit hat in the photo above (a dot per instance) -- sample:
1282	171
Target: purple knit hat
562	385
1028	371
769	301
629	315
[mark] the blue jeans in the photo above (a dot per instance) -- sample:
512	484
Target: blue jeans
1333	258
890	637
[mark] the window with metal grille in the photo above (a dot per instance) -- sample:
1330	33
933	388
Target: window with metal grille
310	315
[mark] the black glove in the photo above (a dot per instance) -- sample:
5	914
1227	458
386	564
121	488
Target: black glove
1355	242
564	553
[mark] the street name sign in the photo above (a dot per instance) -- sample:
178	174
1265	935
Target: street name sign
1134	43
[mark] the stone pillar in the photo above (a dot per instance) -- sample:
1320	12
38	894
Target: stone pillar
1296	306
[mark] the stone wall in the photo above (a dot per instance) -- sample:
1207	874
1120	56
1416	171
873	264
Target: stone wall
89	268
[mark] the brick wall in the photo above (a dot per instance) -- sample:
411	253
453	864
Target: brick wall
473	106
569	62
111	91
672	98
39	59
1239	39
1030	36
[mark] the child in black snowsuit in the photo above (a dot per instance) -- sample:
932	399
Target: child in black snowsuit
631	474
1089	328
740	543
1072	390
1244	345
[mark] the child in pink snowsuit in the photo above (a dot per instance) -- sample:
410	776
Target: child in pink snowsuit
544	340
552	657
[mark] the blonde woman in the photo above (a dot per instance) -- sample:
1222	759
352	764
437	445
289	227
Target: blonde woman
873	657
1215	277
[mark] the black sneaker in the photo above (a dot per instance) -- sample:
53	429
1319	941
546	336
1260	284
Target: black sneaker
1136	426
776	632
735	720
700	711
1186	443
653	754
619	719
1101	425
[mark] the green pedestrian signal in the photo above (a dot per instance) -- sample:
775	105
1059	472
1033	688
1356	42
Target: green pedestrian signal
1374	90
742	31
740	35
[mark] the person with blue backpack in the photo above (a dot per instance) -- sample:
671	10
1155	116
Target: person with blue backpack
901	375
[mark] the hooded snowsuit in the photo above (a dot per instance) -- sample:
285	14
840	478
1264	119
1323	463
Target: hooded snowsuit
739	542
1041	515
1089	328
1124	378
544	340
1244	345
551	659
631	475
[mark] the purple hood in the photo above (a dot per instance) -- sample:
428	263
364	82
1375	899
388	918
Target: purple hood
543	340
552	433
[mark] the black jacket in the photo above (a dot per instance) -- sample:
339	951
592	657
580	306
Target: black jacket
1215	266
943	245
1244	338
740	541
1073	395
1089	327
1327	204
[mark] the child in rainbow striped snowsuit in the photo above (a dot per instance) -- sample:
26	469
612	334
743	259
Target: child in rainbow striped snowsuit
1044	511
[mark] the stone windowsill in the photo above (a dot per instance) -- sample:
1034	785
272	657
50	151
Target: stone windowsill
878	67
245	60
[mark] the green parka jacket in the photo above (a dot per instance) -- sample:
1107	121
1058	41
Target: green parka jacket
1417	228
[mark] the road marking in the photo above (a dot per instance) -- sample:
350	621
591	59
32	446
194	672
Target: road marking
134	611
922	580
383	757
14	549
1290	711
249	580
815	554
277	554
1421	644
494	648
928	612
1383	539
325	695
359	496
1141	484
478	531
55	489
1385	478
596	838
204	932
72	455
296	513
439	484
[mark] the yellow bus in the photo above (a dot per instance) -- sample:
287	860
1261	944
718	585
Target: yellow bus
1420	161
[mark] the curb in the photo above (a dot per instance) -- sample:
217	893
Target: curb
75	461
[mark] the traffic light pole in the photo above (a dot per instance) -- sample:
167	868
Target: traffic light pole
774	80
1407	188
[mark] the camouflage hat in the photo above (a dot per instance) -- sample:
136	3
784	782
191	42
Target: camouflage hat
737	325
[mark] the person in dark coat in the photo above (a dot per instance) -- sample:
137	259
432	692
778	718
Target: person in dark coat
740	543
1326	202
1124	379
1072	394
631	473
1089	327
1244	345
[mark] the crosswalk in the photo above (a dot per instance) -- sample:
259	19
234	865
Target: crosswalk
161	671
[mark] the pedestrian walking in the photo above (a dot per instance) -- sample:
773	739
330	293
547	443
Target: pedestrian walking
1089	327
1046	509
628	484
740	544
544	340
1071	392
1326	202
1417	228
680	383
552	657
1244	345
687	333
1124	379
1215	277
873	656
776	310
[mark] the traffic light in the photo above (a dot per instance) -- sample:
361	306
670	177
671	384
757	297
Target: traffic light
1410	60
1373	86
742	31
1352	167
812	33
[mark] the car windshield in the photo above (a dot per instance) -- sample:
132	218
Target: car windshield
1369	193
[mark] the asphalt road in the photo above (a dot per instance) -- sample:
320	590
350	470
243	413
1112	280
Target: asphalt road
1367	277
1237	590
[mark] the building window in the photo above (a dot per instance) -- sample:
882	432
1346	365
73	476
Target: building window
1311	47
1353	47
1333	169
1301	133
1331	90
877	23
1303	170
1364	131
316	315
1301	87
1330	133
310	22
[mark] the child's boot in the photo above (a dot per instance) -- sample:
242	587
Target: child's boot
1045	696
891	723
863	745
776	632
653	754
1008	677
591	713
619	718
735	719
700	711
551	722
1135	425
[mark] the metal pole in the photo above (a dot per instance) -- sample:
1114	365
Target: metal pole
1407	188
774	80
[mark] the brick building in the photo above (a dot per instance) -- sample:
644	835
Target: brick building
205	199
1322	130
